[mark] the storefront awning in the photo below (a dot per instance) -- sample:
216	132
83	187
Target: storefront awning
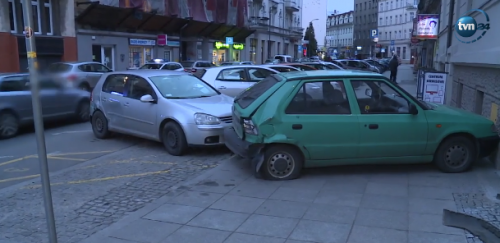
130	19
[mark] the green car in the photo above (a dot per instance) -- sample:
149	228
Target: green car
296	120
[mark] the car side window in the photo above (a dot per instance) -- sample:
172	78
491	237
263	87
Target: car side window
232	74
85	68
176	66
115	84
99	68
165	67
257	74
323	97
138	87
15	83
48	84
378	97
361	65
352	64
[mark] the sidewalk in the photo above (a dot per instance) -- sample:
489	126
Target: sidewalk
354	204
405	78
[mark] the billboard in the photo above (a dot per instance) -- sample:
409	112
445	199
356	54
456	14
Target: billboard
427	26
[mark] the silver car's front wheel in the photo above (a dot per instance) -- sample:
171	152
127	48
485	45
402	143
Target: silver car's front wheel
9	125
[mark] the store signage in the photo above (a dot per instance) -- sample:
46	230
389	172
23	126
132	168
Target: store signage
434	87
427	26
173	43
142	42
161	40
238	46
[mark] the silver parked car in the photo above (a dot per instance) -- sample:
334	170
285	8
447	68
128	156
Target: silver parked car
281	68
232	80
236	63
161	64
175	108
193	66
58	103
82	75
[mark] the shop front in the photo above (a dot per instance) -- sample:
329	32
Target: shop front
226	52
140	52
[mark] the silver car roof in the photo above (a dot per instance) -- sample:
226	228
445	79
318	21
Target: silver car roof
150	72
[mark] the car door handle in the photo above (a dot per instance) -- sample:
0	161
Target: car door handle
113	100
297	126
373	126
126	104
222	87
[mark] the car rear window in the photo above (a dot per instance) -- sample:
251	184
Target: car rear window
187	64
247	97
151	66
203	64
59	68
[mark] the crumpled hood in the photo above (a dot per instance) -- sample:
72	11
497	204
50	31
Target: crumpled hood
219	105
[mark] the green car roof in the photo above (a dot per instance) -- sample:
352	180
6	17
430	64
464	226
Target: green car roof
328	73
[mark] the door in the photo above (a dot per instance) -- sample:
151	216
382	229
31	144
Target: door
140	117
319	117
166	56
231	81
113	102
108	57
386	127
55	102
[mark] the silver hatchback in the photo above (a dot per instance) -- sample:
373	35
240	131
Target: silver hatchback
175	108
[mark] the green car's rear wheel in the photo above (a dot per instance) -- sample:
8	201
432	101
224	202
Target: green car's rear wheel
456	154
282	162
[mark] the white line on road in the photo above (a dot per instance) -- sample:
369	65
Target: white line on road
6	157
69	132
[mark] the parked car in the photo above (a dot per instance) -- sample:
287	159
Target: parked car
359	65
282	68
193	66
283	58
379	124
175	108
236	63
232	80
322	65
58	103
161	64
272	61
82	75
300	66
380	67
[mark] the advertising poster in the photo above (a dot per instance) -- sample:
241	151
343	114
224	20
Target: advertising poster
434	87
427	26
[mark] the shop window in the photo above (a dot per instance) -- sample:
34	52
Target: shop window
404	52
138	55
253	50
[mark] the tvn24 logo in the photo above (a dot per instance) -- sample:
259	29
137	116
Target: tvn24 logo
467	30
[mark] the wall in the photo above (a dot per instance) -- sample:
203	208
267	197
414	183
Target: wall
85	43
404	25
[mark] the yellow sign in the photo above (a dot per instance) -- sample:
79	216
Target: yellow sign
31	54
238	46
494	112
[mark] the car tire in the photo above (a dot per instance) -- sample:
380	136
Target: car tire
83	111
9	125
455	155
100	125
282	162
85	87
174	139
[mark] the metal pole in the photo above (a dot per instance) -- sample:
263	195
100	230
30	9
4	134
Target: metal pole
269	36
38	120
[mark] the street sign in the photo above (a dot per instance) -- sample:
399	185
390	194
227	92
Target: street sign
229	40
374	33
299	48
392	42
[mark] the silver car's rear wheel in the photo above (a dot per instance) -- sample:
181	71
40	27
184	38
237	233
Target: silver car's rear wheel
9	125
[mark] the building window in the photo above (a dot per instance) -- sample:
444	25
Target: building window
253	50
47	7
387	6
381	8
386	21
405	36
380	21
392	7
12	17
390	22
404	52
397	3
400	36
400	18
398	51
412	16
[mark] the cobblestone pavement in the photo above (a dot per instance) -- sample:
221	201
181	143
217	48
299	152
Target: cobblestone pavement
96	194
478	205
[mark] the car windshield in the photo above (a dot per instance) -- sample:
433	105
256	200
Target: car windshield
151	66
182	87
187	64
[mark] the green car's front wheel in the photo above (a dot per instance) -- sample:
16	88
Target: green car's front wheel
456	154
282	162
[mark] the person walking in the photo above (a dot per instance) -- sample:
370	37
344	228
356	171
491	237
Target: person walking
393	67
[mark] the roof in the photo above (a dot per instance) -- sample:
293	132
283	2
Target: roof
150	72
237	66
76	63
328	73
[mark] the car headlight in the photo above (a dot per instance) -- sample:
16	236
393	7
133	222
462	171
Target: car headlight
205	119
249	127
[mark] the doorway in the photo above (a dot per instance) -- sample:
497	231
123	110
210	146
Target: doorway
104	55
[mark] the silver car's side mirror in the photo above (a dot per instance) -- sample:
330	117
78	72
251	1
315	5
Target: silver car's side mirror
147	98
368	92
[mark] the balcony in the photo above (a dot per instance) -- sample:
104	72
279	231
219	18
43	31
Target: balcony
258	23
292	6
297	30
410	6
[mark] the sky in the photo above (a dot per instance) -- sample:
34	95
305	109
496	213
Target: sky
340	5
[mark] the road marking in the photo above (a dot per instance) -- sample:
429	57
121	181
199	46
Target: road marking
16	169
17	160
19	178
99	179
70	132
63	158
5	157
82	153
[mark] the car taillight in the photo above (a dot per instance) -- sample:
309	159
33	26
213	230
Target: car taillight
193	70
186	70
72	77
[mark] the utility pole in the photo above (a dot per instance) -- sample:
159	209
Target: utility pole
38	119
269	35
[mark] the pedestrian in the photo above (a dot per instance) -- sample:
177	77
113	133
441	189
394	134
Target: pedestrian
393	67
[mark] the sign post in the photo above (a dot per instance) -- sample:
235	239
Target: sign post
392	45
38	120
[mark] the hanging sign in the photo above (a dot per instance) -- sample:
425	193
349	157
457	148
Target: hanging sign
238	46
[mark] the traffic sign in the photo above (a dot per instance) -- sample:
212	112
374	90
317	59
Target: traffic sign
299	47
374	33
229	40
392	42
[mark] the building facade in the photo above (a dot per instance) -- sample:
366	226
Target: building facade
54	32
278	29
365	20
315	12
395	25
339	35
